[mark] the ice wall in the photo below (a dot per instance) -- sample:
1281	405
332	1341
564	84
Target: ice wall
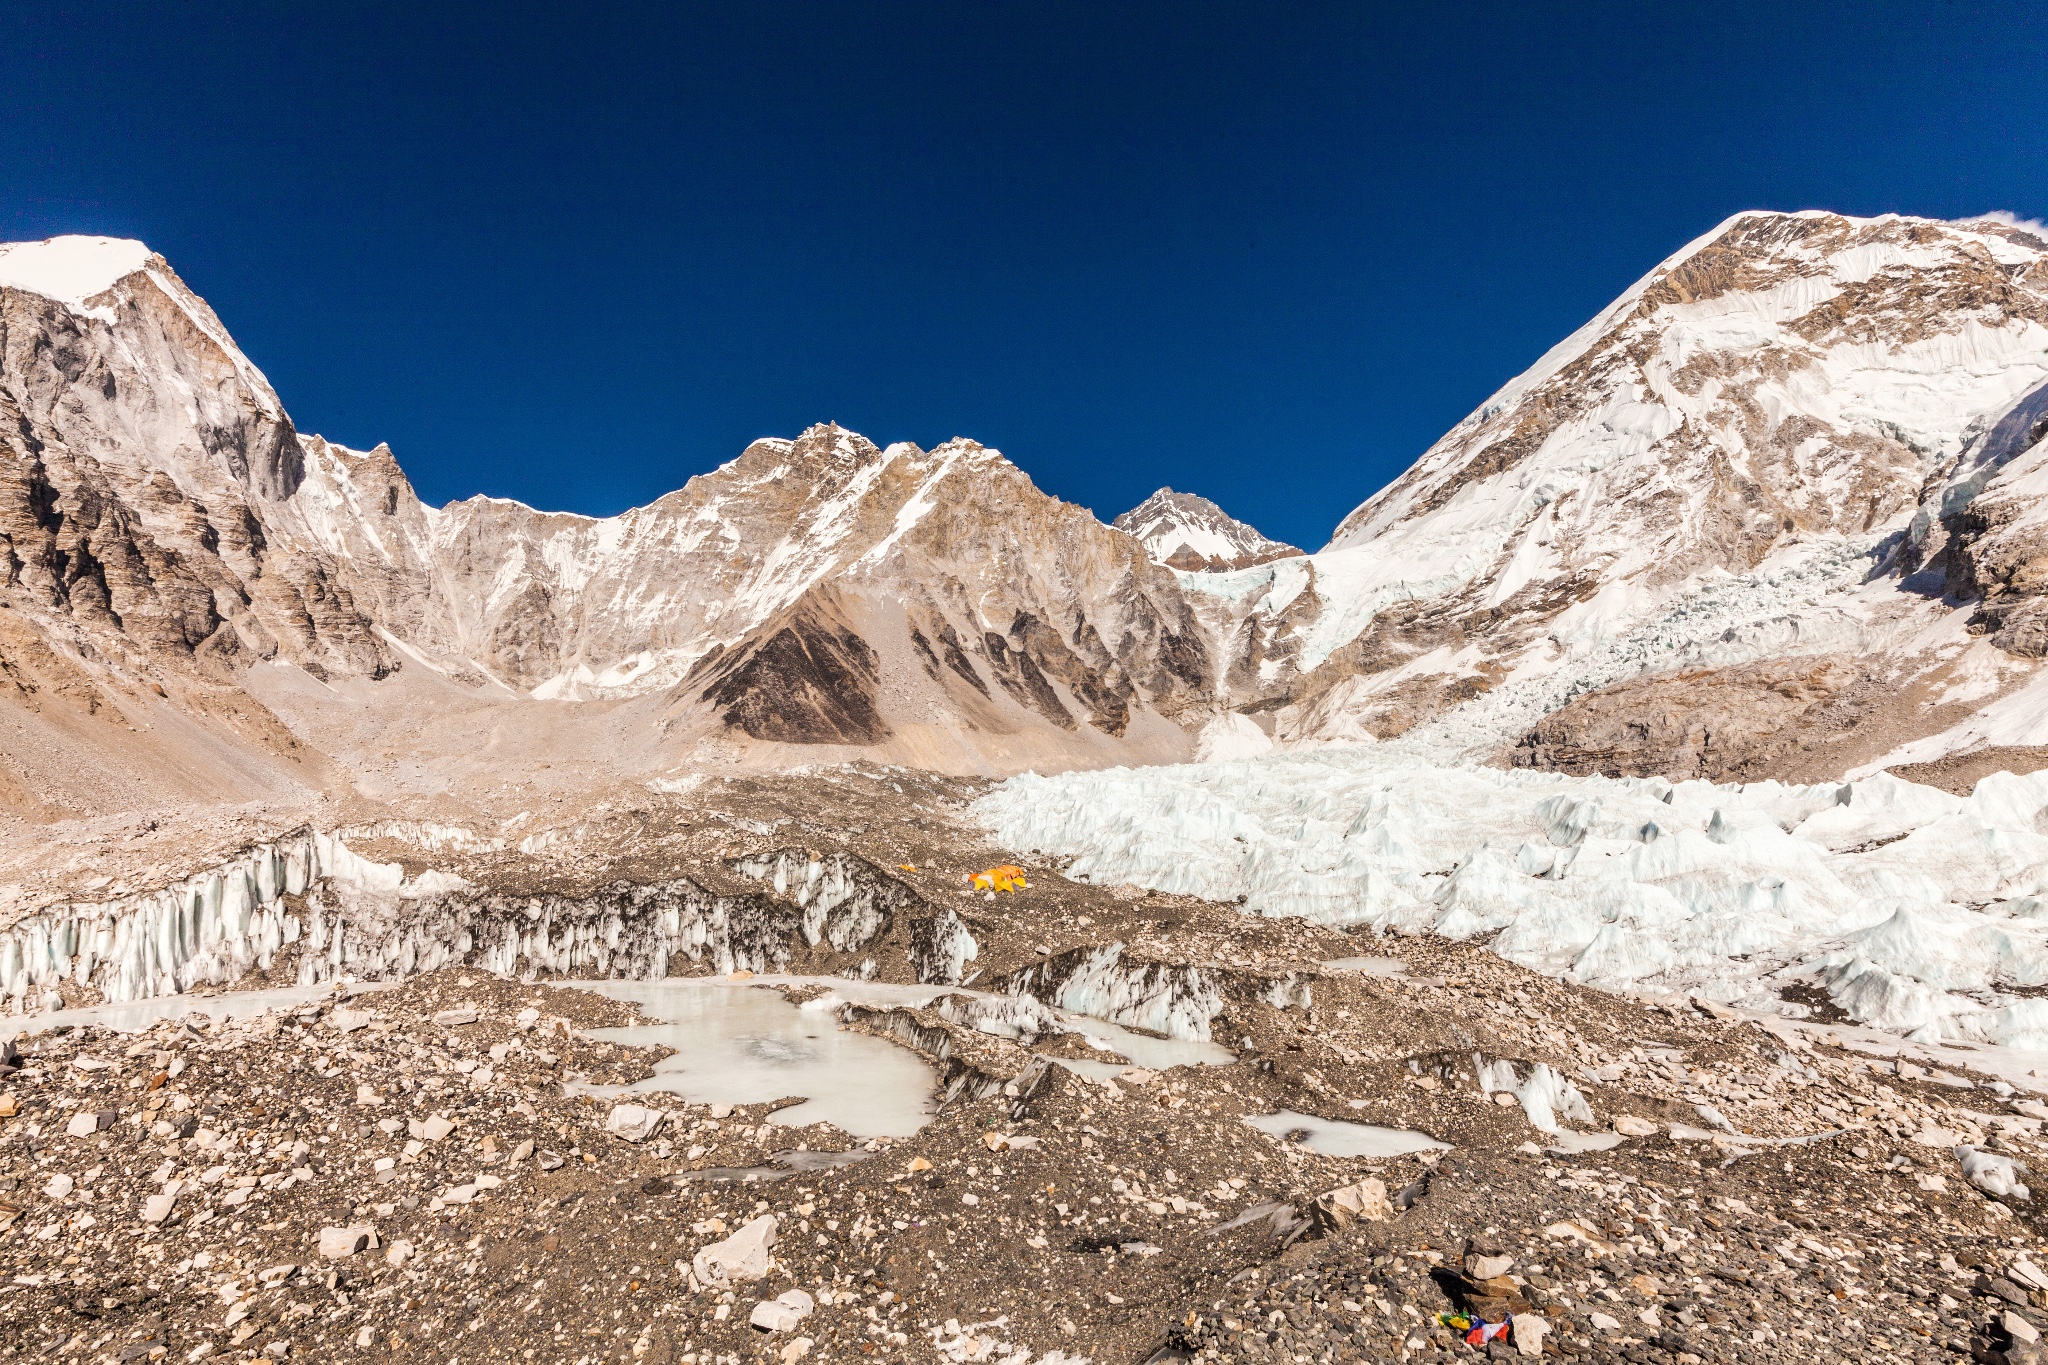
344	915
1919	911
1174	1000
205	930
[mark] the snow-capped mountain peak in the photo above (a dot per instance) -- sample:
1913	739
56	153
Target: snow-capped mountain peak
71	269
1192	534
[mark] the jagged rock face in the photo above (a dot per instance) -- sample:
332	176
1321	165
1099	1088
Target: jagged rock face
159	511
146	477
1788	380
1194	535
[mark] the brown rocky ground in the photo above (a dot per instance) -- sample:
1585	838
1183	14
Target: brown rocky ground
1039	1211
1805	719
1145	1220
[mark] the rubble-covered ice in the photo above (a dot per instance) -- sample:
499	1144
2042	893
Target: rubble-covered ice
1920	912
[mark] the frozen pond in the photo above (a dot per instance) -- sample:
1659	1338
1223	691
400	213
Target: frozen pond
133	1016
1142	1049
1333	1137
1368	966
734	1044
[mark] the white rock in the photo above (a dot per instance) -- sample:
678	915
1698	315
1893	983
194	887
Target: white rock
348	1021
339	1243
1628	1125
57	1186
398	1253
742	1256
2026	1273
633	1122
771	1315
1366	1200
456	1018
157	1207
1996	1175
436	1127
2020	1328
526	1019
82	1125
1489	1267
1603	1323
1528	1333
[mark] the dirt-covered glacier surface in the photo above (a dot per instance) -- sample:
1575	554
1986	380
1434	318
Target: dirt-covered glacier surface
356	1107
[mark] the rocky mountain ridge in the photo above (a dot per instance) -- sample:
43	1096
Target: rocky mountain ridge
1800	456
197	575
1767	450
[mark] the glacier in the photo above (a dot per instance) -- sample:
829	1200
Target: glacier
1919	912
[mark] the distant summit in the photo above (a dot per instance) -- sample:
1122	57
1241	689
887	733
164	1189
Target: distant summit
1190	533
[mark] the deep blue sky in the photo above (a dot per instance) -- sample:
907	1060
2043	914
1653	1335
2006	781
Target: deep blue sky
1267	253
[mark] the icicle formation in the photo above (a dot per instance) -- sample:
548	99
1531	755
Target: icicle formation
205	930
348	916
1176	1001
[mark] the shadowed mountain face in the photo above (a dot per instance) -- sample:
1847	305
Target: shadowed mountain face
1774	455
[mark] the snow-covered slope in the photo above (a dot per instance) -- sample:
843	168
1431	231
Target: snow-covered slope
1786	387
1193	534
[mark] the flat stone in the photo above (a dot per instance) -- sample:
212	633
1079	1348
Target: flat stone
1484	1268
339	1243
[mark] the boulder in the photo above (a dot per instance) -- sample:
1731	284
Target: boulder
742	1256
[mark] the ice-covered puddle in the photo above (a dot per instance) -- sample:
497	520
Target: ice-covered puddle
1334	1137
741	1042
736	1043
133	1016
1152	1051
1368	966
1920	913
